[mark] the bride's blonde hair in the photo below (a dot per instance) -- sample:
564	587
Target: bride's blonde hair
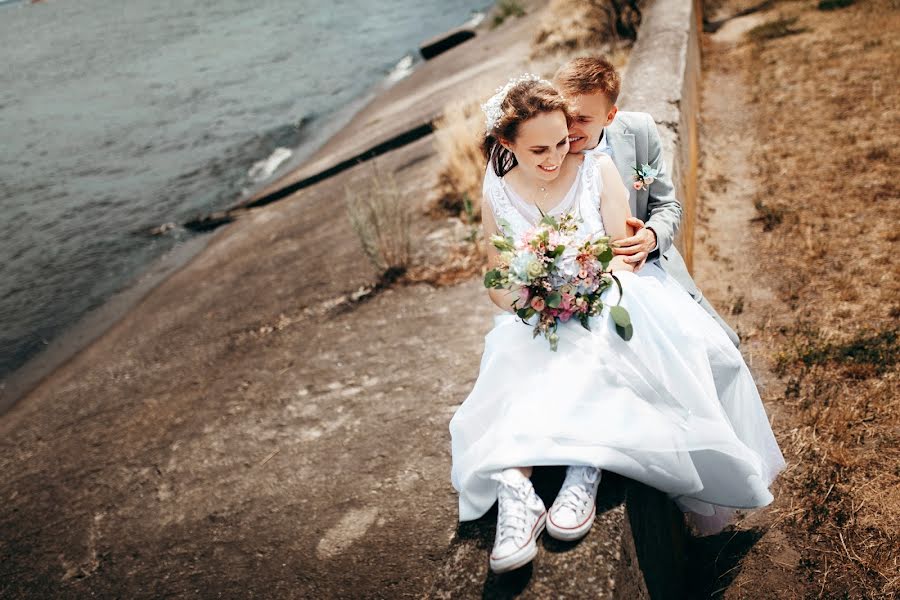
523	101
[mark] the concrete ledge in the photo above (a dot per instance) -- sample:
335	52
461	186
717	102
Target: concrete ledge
633	552
442	43
663	79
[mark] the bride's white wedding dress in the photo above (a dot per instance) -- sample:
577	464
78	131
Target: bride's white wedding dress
675	407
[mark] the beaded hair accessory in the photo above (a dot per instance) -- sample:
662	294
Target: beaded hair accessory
491	108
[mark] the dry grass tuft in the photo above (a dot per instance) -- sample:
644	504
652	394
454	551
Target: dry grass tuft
769	214
773	30
506	9
381	217
834	4
457	138
574	25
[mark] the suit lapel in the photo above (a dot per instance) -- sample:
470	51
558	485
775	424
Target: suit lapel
622	143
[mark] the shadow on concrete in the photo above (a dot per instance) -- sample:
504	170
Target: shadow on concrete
714	561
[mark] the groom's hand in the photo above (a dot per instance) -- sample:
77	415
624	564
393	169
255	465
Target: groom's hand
637	247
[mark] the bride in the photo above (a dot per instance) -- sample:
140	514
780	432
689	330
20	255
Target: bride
675	407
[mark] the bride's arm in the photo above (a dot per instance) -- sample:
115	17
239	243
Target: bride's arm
502	298
614	209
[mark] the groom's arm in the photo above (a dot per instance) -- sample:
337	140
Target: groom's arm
662	205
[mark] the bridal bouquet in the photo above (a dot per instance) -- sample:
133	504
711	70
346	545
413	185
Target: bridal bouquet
558	277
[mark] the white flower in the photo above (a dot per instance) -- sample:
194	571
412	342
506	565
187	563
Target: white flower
520	265
491	108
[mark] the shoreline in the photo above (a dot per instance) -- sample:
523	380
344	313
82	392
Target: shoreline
95	323
92	325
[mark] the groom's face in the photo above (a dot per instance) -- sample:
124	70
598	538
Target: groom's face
591	113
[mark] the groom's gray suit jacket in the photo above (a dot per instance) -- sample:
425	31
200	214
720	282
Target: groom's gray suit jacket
634	140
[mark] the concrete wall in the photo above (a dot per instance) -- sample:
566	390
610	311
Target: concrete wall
663	79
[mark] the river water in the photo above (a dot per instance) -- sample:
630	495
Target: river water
117	117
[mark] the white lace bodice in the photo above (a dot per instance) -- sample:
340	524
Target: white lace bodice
583	199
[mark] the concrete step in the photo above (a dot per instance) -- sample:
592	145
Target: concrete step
635	551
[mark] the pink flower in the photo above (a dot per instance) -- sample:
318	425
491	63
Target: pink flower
566	302
565	315
638	184
537	303
525	295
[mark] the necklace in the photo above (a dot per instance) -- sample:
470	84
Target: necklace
543	189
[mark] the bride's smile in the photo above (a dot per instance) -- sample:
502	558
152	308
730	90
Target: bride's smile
540	146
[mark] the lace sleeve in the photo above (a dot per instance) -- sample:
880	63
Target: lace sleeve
593	181
593	176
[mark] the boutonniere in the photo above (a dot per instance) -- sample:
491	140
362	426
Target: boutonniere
644	175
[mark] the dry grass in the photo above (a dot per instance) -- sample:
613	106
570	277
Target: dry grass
381	217
457	139
577	25
826	92
506	9
772	30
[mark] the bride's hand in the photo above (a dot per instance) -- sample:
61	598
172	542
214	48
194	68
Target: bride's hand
618	263
504	298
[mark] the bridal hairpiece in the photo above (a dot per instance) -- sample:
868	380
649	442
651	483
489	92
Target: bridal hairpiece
491	108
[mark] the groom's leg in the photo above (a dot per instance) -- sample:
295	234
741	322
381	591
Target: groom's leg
702	301
674	265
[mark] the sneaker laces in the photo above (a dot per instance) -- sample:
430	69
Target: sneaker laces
576	493
512	512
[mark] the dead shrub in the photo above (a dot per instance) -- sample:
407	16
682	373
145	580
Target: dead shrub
773	30
457	139
506	9
572	25
381	217
770	215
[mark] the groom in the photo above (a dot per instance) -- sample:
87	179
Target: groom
631	139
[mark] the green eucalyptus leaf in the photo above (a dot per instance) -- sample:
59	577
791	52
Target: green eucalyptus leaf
492	278
554	299
620	316
501	244
625	332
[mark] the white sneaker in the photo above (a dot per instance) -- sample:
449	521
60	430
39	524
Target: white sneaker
575	507
521	517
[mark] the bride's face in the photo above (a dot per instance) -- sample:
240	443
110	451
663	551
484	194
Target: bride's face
541	145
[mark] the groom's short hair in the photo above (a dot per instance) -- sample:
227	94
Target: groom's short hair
589	75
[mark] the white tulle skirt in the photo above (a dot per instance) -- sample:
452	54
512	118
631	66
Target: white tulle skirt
675	407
